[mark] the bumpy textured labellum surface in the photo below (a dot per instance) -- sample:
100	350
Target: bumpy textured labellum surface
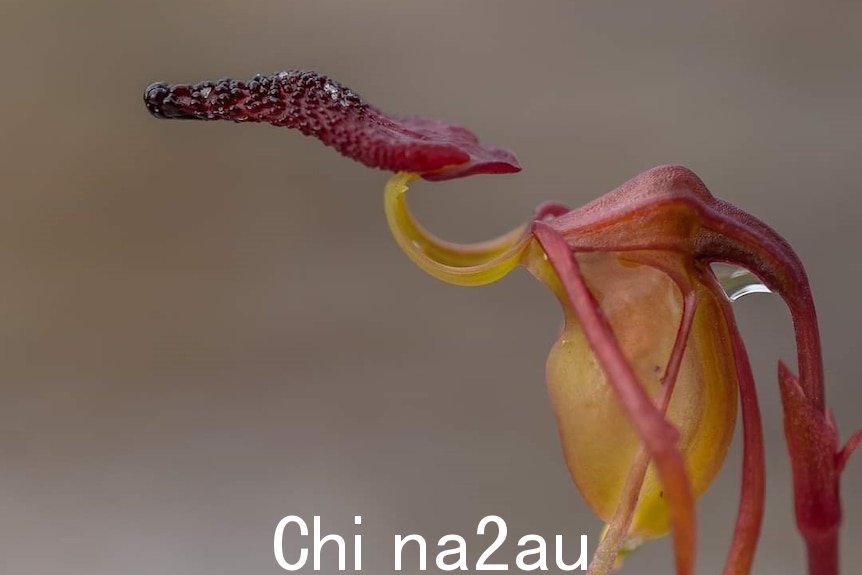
321	107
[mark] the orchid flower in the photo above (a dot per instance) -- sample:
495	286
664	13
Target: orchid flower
649	366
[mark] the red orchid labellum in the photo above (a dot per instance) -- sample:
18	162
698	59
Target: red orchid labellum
649	352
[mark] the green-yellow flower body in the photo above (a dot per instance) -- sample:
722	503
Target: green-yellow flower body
644	308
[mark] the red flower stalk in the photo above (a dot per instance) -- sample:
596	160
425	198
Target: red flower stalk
649	356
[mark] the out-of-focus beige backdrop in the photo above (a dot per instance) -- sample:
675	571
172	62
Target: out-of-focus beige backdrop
206	327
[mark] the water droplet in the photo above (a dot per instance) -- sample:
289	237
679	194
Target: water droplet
737	281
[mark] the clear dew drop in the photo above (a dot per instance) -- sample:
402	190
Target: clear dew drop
737	282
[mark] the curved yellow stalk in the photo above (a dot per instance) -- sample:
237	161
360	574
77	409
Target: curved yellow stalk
459	264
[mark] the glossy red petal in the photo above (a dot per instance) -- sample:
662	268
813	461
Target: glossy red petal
321	107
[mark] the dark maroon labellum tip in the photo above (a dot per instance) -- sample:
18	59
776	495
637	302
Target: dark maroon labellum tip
321	107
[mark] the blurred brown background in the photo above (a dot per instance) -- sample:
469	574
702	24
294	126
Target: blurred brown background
206	327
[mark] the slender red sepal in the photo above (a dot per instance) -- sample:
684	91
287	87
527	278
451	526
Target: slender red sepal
749	515
321	107
812	440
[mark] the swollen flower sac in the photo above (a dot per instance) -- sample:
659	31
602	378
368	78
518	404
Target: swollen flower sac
649	354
